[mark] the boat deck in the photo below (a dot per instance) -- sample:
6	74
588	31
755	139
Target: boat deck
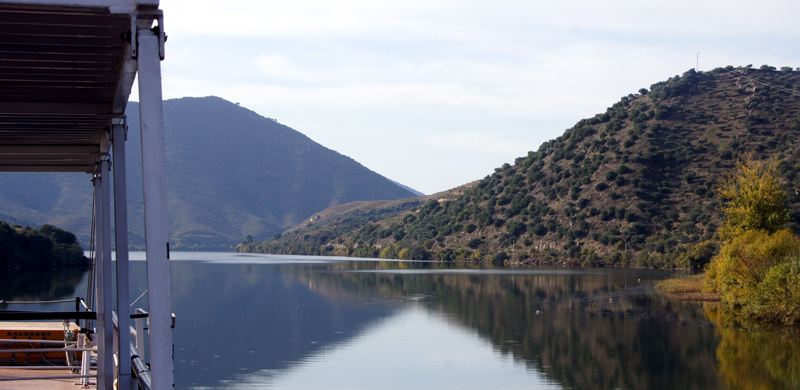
35	331
52	384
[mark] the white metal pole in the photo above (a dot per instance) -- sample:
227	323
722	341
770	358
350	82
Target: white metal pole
98	262
155	208
85	359
121	245
105	335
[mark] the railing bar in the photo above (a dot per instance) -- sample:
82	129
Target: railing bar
36	302
31	341
39	378
9	315
31	350
138	298
23	368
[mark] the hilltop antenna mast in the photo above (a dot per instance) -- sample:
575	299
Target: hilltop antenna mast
697	62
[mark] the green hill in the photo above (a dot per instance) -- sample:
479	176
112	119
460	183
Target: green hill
43	249
633	186
231	173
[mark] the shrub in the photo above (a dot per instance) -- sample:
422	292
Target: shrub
398	234
419	254
740	268
446	255
500	257
515	228
698	256
389	252
404	254
475	243
778	298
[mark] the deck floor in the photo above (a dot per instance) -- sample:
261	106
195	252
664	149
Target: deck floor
54	384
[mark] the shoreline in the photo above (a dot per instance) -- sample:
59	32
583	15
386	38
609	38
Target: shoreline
686	288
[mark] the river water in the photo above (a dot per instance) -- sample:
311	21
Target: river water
293	322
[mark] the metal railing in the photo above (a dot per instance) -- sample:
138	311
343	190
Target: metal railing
69	347
83	317
140	370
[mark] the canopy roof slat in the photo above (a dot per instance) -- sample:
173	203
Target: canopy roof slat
61	72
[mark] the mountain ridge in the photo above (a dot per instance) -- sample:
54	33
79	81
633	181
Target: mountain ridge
231	173
633	186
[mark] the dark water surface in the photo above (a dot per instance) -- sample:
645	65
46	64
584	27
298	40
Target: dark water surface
282	322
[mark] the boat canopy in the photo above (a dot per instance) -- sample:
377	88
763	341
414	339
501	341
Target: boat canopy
66	72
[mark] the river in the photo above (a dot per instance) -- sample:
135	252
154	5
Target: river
294	322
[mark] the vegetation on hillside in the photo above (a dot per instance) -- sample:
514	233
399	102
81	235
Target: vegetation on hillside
336	224
633	186
25	248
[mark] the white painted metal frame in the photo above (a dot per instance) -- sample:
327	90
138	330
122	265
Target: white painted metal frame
155	204
105	330
118	137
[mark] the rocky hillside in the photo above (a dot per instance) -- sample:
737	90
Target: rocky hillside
633	186
231	173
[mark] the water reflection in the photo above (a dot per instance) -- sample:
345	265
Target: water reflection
43	285
303	323
757	359
413	349
580	329
235	319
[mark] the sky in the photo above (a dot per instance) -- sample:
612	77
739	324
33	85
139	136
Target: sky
435	94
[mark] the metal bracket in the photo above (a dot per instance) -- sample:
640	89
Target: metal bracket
162	36
146	17
120	120
106	157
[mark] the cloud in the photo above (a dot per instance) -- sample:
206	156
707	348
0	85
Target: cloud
464	19
281	68
445	77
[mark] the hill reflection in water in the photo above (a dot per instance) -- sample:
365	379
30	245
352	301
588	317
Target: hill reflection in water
291	323
581	329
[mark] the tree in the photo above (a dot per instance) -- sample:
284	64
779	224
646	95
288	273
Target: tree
758	266
754	199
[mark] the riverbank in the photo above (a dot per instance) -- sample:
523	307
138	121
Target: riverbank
687	288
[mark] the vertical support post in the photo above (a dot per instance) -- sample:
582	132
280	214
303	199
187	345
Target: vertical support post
121	244
155	206
85	361
105	324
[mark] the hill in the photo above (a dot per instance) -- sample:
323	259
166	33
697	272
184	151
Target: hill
231	173
313	234
41	250
633	186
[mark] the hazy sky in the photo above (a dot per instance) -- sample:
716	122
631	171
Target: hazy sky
435	94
